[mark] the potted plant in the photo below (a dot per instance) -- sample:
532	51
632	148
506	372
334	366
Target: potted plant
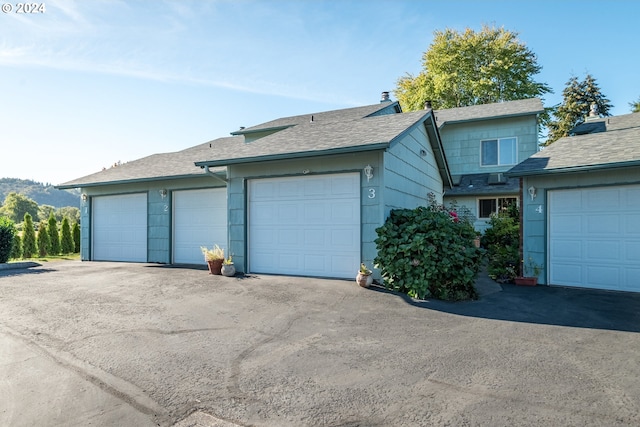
364	277
228	268
214	258
531	271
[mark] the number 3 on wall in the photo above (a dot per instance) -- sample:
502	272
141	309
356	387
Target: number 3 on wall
372	193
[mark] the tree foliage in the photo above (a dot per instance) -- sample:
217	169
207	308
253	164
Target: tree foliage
7	232
471	68
43	239
76	237
28	237
54	237
16	249
635	106
578	97
16	205
66	239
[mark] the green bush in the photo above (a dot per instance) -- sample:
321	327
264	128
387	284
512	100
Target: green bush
7	231
502	240
428	252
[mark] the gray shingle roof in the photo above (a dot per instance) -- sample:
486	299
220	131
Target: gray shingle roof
607	124
614	148
480	184
314	138
157	166
320	117
489	111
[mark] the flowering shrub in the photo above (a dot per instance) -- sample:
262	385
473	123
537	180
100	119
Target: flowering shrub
428	252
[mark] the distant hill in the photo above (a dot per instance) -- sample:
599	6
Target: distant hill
42	194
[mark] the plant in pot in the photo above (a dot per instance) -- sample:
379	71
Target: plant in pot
214	258
531	271
228	268
364	277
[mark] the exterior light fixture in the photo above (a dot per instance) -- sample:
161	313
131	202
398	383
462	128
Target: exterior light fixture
368	172
532	192
163	193
84	197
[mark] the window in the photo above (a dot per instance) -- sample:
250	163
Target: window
501	151
486	207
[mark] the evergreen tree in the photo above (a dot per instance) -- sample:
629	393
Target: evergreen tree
28	237
43	239
16	249
76	237
66	239
7	233
470	68
578	98
54	237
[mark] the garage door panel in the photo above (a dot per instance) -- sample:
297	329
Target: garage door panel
200	219
119	228
594	237
319	220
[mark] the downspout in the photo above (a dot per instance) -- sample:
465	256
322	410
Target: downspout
206	169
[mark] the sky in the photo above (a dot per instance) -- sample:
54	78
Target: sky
85	84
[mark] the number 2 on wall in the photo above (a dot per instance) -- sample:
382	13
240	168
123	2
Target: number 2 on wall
372	193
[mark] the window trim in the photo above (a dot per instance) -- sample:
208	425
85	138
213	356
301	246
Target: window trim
515	138
497	201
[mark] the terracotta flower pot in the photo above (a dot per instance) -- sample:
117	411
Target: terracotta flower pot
215	266
526	281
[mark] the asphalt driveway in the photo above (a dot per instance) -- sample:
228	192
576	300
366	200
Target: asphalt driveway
87	343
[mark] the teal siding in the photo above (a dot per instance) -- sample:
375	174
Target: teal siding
409	176
159	213
534	224
371	212
462	142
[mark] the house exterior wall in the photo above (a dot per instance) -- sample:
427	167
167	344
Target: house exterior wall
409	176
159	212
461	142
370	211
535	212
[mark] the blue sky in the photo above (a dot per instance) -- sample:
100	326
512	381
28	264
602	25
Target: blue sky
89	83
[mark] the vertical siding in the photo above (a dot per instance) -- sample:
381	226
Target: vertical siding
409	176
159	226
85	229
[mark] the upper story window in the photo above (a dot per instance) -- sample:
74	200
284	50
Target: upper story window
498	152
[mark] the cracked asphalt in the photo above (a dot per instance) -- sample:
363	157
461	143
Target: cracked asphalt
106	344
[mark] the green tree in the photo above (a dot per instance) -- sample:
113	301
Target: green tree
7	233
66	239
28	237
54	237
16	205
44	211
76	237
635	106
43	239
577	100
16	249
470	68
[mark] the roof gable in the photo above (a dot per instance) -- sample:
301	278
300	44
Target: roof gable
505	109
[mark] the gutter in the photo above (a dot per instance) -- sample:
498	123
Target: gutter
214	175
575	169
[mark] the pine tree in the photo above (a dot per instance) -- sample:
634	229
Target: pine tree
16	249
76	237
54	237
43	239
28	237
66	239
578	98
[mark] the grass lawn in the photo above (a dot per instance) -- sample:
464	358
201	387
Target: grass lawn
68	257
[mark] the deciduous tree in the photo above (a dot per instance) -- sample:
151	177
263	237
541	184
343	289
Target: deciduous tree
470	68
16	205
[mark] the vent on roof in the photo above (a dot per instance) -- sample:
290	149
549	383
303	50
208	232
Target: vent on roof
385	97
496	178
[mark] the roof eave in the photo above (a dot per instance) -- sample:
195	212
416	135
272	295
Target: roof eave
296	155
570	169
129	181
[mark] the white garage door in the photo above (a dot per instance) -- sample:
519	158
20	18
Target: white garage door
120	228
307	226
594	237
199	219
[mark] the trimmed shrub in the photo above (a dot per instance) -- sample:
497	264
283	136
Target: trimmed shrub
7	233
28	237
54	237
502	240
43	239
76	237
428	252
66	239
16	249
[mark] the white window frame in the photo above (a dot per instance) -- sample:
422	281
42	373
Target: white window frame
497	200
511	139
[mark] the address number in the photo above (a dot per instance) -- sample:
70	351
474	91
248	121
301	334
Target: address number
372	193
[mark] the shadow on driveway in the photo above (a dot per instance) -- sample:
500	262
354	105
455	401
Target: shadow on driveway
549	305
